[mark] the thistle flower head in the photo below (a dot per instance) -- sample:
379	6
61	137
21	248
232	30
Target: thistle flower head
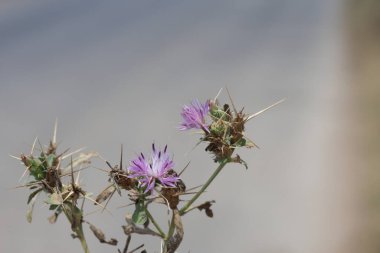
224	132
157	169
193	115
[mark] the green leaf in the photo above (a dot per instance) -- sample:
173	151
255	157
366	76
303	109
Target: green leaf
53	207
50	160
241	143
32	201
34	163
139	216
218	113
37	170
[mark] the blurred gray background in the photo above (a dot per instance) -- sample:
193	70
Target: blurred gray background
118	72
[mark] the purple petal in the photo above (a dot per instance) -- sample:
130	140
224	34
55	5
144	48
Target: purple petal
156	170
193	116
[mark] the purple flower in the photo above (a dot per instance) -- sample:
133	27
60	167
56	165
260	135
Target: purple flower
194	115
157	169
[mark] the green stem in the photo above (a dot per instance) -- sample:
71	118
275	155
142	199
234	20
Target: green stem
171	229
154	223
82	239
78	231
170	233
185	208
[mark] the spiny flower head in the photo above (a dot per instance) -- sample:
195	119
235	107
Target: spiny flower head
157	169
224	132
194	115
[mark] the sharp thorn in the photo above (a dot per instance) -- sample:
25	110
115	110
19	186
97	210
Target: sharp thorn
263	110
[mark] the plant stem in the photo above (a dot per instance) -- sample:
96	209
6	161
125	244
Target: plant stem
82	239
78	231
170	233
185	208
154	223
171	229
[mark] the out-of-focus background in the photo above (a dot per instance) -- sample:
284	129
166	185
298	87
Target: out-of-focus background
362	19
118	72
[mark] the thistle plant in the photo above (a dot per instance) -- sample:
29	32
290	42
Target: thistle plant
147	179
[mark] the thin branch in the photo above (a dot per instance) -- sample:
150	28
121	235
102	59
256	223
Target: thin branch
183	210
129	237
154	222
136	249
183	170
175	240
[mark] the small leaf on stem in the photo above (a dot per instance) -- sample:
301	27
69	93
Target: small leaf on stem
139	216
31	203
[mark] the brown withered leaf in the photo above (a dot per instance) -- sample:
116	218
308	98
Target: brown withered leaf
81	159
53	219
237	159
207	207
100	235
105	194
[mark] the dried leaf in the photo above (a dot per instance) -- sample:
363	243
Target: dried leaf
207	207
237	159
74	215
105	194
31	202
31	196
53	219
55	199
83	158
100	235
